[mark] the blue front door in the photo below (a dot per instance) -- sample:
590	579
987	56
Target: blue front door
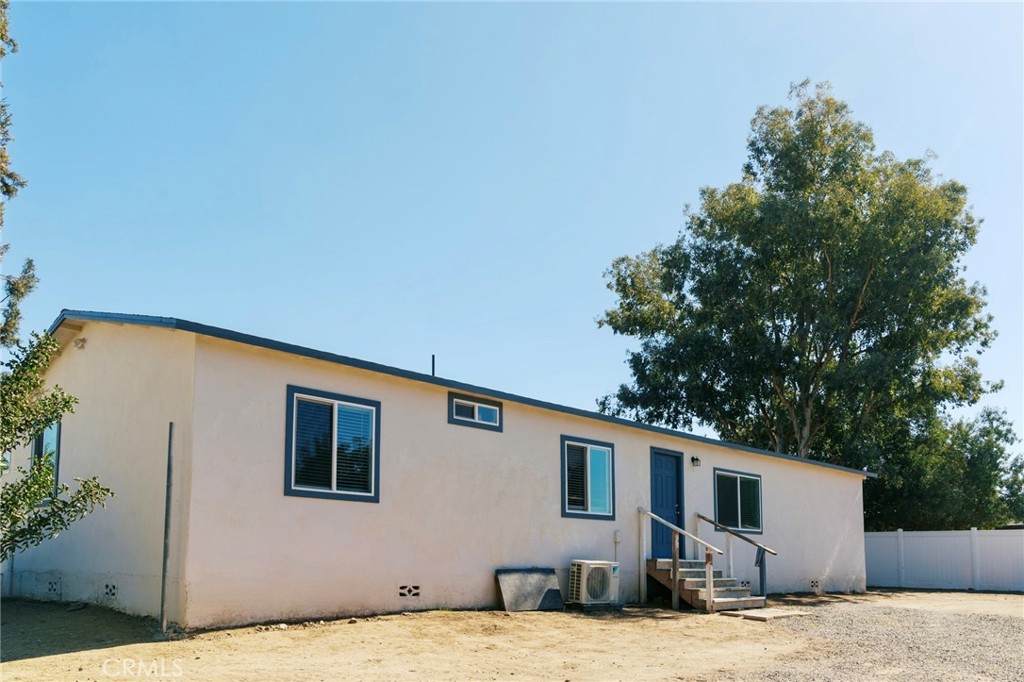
666	499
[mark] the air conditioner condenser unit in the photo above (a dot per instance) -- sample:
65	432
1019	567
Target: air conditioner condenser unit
593	582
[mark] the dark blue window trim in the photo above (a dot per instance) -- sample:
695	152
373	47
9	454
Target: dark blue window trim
566	513
681	456
294	391
452	419
760	499
37	452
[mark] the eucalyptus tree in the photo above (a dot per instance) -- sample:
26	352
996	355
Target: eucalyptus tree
816	306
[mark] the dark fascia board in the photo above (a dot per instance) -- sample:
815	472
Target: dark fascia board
269	344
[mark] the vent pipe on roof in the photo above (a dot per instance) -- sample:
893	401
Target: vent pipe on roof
433	365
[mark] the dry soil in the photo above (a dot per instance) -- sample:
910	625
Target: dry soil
45	641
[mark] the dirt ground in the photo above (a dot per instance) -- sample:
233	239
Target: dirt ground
46	641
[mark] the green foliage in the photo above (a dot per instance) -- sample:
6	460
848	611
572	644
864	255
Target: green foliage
28	407
815	307
16	287
31	508
947	475
7	44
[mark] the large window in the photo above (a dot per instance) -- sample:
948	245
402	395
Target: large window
333	447
738	500
588	479
481	413
46	448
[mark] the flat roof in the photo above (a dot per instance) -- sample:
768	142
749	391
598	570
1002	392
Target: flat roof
67	316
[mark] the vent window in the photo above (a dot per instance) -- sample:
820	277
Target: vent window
480	413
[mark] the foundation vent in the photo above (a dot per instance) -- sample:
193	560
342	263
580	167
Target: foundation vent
409	590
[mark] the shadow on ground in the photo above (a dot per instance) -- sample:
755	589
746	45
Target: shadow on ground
810	599
29	629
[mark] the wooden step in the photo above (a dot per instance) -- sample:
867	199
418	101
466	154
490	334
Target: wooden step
701	583
719	592
685	572
693	587
693	575
684	564
730	603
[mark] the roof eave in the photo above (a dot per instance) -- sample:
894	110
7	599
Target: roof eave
69	317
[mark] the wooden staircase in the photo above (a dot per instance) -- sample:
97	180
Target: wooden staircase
728	594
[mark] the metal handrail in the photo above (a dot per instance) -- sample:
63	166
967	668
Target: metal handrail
730	531
680	530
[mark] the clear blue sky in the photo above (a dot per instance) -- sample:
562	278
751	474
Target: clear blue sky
391	181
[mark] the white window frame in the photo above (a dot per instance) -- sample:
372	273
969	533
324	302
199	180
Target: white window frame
334	491
458	399
739	500
476	412
589	446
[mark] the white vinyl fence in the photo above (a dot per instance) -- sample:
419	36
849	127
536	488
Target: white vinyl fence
954	559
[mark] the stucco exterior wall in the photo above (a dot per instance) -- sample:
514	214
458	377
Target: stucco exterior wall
130	382
812	516
455	502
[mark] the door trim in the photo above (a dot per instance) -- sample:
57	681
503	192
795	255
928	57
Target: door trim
680	493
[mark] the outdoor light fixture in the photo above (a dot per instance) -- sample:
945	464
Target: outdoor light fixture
695	461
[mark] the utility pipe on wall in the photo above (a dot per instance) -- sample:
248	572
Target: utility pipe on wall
167	529
642	549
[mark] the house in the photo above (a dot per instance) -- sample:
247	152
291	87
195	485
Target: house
307	484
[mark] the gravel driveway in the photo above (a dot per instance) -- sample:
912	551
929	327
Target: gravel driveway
907	636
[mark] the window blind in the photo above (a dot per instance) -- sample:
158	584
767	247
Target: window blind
576	476
727	504
313	444
355	448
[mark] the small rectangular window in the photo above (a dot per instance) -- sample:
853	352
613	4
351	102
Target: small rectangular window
588	479
480	413
333	449
46	448
738	500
